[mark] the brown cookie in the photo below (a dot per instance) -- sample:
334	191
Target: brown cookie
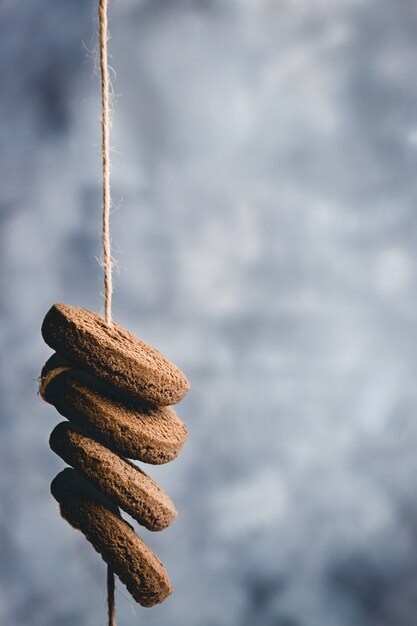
118	479
125	425
129	557
113	354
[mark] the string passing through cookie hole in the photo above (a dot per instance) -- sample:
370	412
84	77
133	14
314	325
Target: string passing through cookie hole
116	392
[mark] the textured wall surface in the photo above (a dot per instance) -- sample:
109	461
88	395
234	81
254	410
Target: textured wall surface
265	227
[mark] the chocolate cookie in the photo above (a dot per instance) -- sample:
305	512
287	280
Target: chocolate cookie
129	557
113	354
118	479
127	426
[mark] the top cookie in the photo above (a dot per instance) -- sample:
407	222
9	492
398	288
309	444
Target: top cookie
113	354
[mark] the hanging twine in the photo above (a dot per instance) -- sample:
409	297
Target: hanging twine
107	261
111	607
105	149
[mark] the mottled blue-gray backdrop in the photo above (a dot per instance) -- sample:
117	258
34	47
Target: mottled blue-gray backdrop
265	229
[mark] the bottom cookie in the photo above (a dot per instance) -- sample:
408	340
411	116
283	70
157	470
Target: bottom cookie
86	509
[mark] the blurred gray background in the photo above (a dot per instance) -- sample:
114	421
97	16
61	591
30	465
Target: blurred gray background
265	229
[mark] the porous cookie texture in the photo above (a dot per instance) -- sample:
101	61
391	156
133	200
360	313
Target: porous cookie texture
118	479
127	426
114	354
129	557
115	390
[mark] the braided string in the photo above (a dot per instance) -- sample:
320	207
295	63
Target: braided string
107	261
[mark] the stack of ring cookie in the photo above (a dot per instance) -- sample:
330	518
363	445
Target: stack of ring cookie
116	392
